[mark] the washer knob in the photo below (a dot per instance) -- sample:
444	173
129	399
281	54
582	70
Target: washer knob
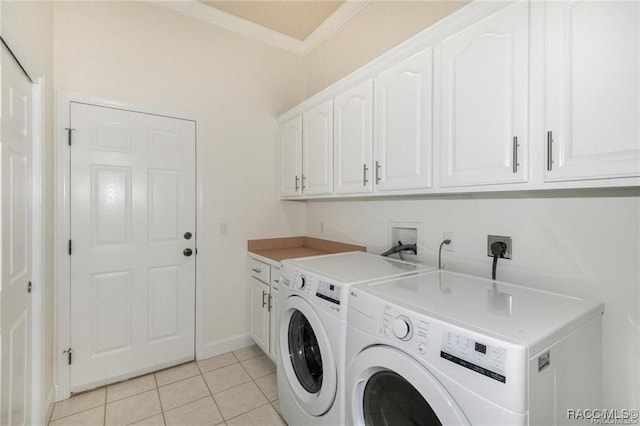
300	282
402	327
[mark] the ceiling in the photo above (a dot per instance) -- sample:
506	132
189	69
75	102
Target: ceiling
297	19
296	25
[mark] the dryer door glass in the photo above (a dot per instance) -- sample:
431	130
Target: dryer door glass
391	400
304	352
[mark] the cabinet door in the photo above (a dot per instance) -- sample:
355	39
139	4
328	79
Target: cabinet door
275	324
403	124
353	139
291	158
483	102
317	150
592	89
260	314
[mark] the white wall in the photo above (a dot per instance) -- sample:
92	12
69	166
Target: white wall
145	54
585	244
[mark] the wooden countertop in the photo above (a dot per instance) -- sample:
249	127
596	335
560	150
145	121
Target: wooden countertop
278	249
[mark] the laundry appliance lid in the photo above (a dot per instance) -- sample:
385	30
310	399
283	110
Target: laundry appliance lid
356	267
506	311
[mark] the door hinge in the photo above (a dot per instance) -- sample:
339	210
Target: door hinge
69	130
69	353
69	247
29	287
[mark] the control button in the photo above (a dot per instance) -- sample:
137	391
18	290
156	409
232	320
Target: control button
422	349
385	331
301	281
402	327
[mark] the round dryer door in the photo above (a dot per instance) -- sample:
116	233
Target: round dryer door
307	356
388	387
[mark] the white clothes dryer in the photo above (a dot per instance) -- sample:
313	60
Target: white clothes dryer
313	302
442	348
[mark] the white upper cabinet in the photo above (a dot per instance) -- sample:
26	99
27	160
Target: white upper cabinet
317	150
403	124
483	124
353	139
291	158
592	94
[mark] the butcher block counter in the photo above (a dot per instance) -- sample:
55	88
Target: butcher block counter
278	249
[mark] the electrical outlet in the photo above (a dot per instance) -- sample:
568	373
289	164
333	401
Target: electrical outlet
507	240
451	246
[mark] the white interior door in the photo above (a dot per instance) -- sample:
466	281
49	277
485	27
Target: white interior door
132	285
16	142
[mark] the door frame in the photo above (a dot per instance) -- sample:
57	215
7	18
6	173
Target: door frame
13	35
63	225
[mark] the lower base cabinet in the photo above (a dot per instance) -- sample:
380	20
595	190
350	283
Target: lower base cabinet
263	320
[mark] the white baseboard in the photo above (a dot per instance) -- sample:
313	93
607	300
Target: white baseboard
49	404
223	346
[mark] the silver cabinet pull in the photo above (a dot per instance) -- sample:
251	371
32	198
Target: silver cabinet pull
515	154
264	303
269	307
365	181
256	270
276	280
304	178
377	172
297	186
549	150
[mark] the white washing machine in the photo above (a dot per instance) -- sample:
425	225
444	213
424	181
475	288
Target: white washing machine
451	349
313	301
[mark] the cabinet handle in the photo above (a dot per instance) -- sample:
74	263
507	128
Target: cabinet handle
549	150
377	172
276	281
256	270
269	307
264	303
365	181
303	180
515	154
297	180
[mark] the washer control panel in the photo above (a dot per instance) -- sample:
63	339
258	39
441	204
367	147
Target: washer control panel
477	356
400	326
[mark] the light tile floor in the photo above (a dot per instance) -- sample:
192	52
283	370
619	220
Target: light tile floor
236	388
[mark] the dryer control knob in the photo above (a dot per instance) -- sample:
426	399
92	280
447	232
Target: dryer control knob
300	282
402	327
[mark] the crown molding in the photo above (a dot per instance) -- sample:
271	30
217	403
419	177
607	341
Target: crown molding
247	28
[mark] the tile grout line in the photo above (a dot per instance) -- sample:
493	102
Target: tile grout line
155	379
210	392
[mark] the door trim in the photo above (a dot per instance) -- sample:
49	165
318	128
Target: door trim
63	225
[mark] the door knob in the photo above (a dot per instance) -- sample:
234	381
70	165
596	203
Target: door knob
187	235
187	252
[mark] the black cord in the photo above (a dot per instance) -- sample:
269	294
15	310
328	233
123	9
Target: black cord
498	250
447	242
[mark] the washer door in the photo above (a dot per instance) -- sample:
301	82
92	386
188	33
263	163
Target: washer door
389	387
307	357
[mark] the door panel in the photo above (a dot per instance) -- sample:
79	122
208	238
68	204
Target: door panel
317	150
592	87
132	200
353	139
16	170
402	124
484	103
